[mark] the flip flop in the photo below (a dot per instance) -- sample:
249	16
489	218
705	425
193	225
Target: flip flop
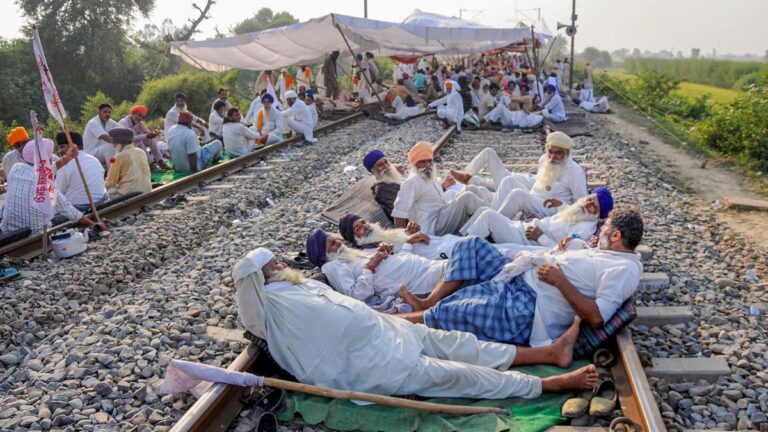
603	358
604	399
574	407
9	274
298	261
623	424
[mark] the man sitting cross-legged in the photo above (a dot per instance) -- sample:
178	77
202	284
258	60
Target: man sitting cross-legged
327	339
540	302
421	197
373	277
559	180
579	219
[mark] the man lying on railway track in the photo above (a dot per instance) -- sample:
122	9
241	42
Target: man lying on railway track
559	180
374	276
327	339
537	303
580	219
421	197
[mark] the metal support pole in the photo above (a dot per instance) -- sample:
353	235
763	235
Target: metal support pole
573	37
365	76
365	8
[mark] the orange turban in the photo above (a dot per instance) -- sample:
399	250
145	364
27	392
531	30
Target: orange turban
139	109
419	152
17	135
448	85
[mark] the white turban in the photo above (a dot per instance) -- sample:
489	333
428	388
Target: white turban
249	282
559	139
291	94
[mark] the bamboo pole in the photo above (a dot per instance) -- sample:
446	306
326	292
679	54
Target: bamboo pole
370	85
383	400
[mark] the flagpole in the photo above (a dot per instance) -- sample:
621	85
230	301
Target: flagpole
40	162
69	140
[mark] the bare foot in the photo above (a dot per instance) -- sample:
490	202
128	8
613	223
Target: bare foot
461	176
416	303
562	349
580	379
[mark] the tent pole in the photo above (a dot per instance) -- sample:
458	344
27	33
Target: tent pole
365	77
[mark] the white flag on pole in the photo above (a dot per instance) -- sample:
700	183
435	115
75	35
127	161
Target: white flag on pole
52	100
44	198
271	92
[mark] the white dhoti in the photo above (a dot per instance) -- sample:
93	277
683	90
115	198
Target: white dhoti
509	118
586	94
557	118
600	106
103	152
488	223
456	213
405	112
456	364
445	112
273	137
510	183
302	128
521	200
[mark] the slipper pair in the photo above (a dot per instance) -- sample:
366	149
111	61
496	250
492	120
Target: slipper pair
299	261
601	403
265	402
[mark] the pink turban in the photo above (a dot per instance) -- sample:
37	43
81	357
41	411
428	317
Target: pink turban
46	150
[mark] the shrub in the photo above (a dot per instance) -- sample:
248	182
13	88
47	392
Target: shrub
200	88
719	73
747	81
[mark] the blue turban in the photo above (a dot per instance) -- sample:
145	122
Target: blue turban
524	87
267	96
550	87
316	247
346	227
371	158
605	200
310	93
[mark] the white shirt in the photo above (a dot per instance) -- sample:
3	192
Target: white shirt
555	105
69	183
256	104
570	186
299	112
172	117
238	139
419	201
313	113
419	275
272	120
10	159
93	130
18	212
226	101
215	123
608	277
554	229
453	106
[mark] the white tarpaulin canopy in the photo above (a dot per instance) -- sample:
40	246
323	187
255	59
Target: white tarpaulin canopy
308	42
430	19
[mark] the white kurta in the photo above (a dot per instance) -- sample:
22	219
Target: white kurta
238	139
419	201
216	123
419	275
600	106
298	118
487	222
608	277
100	149
327	339
450	106
403	111
554	109
253	109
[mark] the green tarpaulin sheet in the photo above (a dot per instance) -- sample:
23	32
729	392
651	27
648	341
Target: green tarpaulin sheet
527	415
165	177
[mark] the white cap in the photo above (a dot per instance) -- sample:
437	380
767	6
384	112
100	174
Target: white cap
290	94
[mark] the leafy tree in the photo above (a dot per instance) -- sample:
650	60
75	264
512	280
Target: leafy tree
86	45
695	53
263	19
19	83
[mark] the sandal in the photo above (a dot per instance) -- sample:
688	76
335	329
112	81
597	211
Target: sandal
604	399
603	358
299	261
8	274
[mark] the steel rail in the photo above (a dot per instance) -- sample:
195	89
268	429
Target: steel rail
220	405
31	247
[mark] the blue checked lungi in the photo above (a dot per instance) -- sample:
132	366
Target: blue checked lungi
493	311
474	260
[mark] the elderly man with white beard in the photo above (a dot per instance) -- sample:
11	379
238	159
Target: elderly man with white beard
327	339
421	198
388	179
578	220
373	277
538	301
559	180
298	118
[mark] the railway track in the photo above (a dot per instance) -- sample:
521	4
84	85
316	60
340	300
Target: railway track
218	408
31	247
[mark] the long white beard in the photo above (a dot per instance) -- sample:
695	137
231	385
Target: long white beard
577	212
392	175
549	172
378	234
428	177
288	275
346	254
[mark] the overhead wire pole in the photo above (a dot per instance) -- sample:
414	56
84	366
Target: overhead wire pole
360	68
573	37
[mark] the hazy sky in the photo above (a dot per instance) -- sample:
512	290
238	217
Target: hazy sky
736	26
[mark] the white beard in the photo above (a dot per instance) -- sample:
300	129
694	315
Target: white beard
346	254
577	212
377	234
288	275
549	172
428	177
392	175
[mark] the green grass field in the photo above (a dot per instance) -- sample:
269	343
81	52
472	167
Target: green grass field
691	90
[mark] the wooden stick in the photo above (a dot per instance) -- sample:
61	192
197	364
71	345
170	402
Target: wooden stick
383	400
360	68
